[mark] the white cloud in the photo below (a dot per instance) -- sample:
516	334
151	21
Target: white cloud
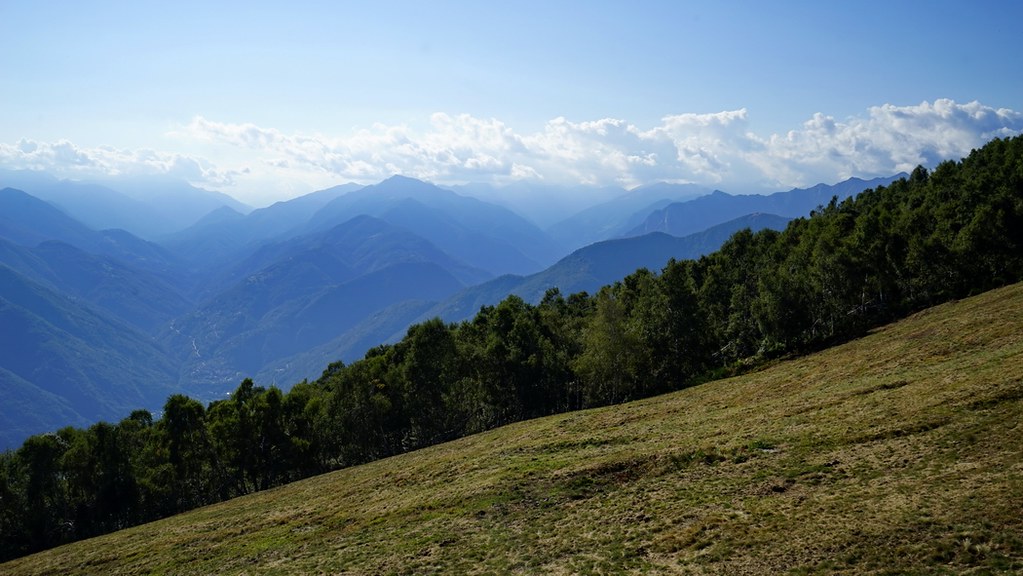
889	139
65	159
716	149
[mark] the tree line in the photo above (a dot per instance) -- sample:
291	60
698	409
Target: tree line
826	278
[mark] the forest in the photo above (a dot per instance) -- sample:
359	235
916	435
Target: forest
849	266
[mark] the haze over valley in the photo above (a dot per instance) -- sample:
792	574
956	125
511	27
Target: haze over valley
278	293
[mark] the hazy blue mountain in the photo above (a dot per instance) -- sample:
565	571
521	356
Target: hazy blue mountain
472	247
148	207
226	234
291	296
141	254
541	204
94	205
363	243
219	218
29	409
376	329
599	264
281	217
179	203
227	352
336	309
29	221
466	303
137	297
616	217
500	225
683	218
62	358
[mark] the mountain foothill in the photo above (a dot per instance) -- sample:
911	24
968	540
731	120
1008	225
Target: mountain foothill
116	294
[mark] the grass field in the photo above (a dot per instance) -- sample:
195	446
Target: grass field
899	453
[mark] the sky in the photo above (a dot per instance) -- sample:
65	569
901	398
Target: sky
270	100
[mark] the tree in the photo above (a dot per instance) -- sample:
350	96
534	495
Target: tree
611	349
358	420
184	431
683	351
44	490
14	527
428	359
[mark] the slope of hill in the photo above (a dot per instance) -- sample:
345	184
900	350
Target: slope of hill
136	297
376	329
599	264
683	218
59	358
360	245
293	296
895	453
22	400
475	248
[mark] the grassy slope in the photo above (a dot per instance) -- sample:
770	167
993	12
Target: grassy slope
897	453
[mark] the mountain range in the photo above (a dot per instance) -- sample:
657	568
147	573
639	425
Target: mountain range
617	217
147	207
599	264
683	218
110	300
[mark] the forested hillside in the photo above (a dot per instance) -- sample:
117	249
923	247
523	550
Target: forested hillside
850	266
588	269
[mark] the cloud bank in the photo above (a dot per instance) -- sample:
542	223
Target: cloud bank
66	160
717	149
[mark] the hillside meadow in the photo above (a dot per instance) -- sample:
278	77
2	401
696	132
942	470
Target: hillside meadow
897	453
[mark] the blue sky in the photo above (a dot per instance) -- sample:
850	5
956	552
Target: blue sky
270	100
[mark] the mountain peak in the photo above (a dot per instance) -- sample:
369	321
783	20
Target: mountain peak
401	178
403	183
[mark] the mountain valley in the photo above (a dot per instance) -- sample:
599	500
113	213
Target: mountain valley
282	291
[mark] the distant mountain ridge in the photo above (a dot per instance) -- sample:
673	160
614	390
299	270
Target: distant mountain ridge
225	233
684	218
616	217
134	296
467	222
29	221
146	207
542	204
589	268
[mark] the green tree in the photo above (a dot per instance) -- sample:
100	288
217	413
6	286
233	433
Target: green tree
184	430
426	367
682	351
612	350
14	528
44	491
